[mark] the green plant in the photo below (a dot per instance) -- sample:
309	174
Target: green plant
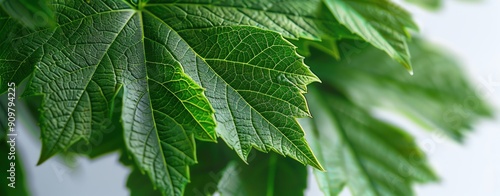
162	80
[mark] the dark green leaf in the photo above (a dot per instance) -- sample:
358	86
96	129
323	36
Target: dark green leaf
266	174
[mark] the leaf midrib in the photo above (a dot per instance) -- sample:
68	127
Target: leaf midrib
166	165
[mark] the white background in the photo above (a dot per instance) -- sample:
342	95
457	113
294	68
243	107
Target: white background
470	30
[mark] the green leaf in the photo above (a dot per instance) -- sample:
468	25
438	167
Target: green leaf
267	174
442	100
360	152
174	71
379	22
31	13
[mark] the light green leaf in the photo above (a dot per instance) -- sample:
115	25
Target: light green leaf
267	174
443	101
379	22
172	70
360	152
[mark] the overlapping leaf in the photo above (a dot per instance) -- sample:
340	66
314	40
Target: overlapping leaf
360	152
379	22
166	60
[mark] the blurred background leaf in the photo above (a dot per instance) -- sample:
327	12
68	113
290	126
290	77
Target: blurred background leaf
31	13
438	97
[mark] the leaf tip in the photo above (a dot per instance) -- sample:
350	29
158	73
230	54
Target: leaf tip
44	156
318	166
407	65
